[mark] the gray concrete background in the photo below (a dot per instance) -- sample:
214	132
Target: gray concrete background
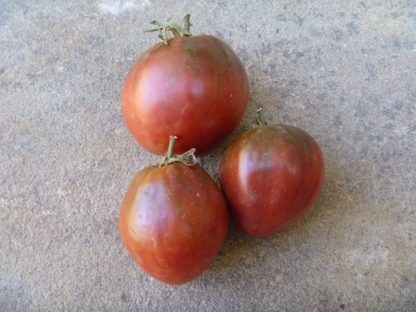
345	71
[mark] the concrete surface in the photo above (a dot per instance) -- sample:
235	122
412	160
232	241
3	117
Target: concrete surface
345	71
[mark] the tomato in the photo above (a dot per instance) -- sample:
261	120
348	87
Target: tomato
270	176
194	87
173	221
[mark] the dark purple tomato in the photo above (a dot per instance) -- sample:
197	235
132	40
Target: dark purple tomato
270	176
194	87
173	221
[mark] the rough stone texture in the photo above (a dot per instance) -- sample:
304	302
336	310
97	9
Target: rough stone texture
345	71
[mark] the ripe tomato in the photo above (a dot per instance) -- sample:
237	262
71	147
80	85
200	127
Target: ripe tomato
173	221
194	87
270	176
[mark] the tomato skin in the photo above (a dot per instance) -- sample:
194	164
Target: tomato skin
173	221
194	87
270	177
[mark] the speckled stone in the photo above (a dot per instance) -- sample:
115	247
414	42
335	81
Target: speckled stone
345	71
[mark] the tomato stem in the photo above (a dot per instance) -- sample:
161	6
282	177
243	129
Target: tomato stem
172	140
260	118
176	30
188	158
186	24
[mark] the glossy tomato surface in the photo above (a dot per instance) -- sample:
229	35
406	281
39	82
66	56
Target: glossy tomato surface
271	176
173	221
194	87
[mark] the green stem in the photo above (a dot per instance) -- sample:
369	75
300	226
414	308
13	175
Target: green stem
188	158
260	118
186	23
175	33
176	30
169	153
